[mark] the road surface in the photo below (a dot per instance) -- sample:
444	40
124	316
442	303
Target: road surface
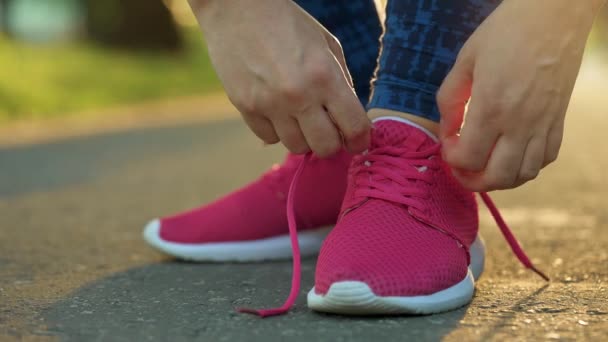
73	265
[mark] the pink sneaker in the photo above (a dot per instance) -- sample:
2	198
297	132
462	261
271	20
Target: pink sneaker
406	241
407	238
250	224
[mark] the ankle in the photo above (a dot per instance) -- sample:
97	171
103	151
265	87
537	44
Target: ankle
432	126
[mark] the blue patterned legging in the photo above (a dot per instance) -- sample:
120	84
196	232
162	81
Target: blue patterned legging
402	68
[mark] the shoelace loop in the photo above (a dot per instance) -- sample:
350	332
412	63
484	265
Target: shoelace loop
295	247
416	159
376	171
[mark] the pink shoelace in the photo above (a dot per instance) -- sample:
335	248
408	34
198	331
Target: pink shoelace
380	163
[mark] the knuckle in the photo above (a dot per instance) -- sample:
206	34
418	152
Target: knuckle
474	164
467	161
320	72
528	174
245	105
357	128
551	157
549	161
491	107
270	139
296	146
490	120
291	91
300	149
500	180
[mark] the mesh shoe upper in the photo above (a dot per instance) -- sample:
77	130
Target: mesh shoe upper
406	224
405	227
258	210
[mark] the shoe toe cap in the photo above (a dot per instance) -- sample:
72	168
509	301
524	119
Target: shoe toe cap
404	259
151	232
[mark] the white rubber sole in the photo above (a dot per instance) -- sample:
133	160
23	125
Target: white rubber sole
274	248
357	298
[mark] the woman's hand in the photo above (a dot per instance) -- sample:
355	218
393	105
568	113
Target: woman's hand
285	73
518	69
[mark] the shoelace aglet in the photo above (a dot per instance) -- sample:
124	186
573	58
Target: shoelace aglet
515	247
263	313
539	272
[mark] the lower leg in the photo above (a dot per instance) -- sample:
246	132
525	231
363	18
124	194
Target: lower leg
420	44
430	125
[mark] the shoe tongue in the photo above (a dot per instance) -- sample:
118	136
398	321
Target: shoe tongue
388	132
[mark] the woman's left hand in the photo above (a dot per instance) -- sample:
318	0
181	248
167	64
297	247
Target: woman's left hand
518	69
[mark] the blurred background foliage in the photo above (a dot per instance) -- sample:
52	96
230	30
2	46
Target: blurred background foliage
60	57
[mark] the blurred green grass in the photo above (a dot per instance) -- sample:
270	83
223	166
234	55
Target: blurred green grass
40	81
46	81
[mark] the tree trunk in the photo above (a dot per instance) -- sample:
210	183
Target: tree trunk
132	24
3	16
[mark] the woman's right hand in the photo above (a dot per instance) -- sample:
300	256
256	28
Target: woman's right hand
285	73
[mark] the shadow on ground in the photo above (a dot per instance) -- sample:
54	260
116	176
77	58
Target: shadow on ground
181	301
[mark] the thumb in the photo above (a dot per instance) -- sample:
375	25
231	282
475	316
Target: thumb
452	98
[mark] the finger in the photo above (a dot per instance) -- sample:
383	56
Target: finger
348	114
320	132
452	97
263	128
336	49
471	150
291	136
502	170
533	160
554	142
